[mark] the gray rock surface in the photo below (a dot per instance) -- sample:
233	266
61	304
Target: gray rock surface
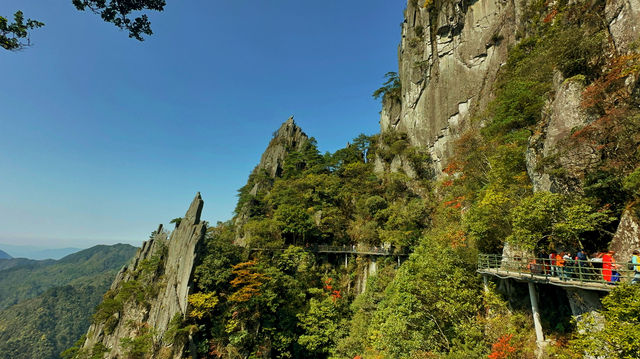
623	17
583	301
448	61
627	237
561	116
172	281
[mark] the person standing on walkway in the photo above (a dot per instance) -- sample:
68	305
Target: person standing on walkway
608	264
581	258
568	265
560	265
552	261
635	259
544	260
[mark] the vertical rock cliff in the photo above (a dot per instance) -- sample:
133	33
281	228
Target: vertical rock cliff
449	57
149	293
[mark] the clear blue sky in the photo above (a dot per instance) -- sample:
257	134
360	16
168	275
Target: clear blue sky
103	137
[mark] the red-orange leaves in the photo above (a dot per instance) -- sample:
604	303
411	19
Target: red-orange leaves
502	349
333	293
550	16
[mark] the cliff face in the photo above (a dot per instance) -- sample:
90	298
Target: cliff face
623	17
449	57
149	292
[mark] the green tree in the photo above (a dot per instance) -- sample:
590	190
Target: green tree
295	223
15	36
551	218
321	323
434	297
120	13
390	88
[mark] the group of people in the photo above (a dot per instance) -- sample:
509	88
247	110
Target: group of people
565	266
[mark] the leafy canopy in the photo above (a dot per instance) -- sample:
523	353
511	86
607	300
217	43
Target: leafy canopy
120	13
15	36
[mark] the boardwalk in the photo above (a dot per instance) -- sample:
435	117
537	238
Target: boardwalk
357	250
575	274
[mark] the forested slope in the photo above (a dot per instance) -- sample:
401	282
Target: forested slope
525	139
47	305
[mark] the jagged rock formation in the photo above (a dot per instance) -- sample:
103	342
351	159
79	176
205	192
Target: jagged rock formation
150	291
623	17
288	138
448	61
561	116
627	238
583	301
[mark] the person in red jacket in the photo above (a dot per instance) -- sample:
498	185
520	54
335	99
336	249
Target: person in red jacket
608	265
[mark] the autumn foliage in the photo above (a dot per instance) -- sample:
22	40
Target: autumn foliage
333	293
502	349
248	280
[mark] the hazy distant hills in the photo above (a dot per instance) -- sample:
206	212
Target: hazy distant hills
4	255
45	306
32	252
28	278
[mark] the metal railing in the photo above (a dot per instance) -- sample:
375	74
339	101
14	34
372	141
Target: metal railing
586	274
380	251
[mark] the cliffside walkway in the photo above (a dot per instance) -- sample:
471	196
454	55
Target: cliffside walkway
358	250
587	274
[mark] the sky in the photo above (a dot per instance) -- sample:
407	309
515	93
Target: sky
103	137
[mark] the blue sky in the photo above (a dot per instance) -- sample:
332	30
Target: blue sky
103	137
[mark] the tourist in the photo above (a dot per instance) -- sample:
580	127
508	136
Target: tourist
552	261
543	260
608	267
560	265
534	267
581	259
635	259
568	265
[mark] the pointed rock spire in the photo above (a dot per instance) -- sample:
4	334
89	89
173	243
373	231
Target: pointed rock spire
290	121
288	138
172	261
195	210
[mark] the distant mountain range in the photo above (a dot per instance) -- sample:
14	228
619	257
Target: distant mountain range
4	255
33	252
46	305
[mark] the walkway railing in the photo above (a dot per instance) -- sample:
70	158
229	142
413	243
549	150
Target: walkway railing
361	250
586	274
